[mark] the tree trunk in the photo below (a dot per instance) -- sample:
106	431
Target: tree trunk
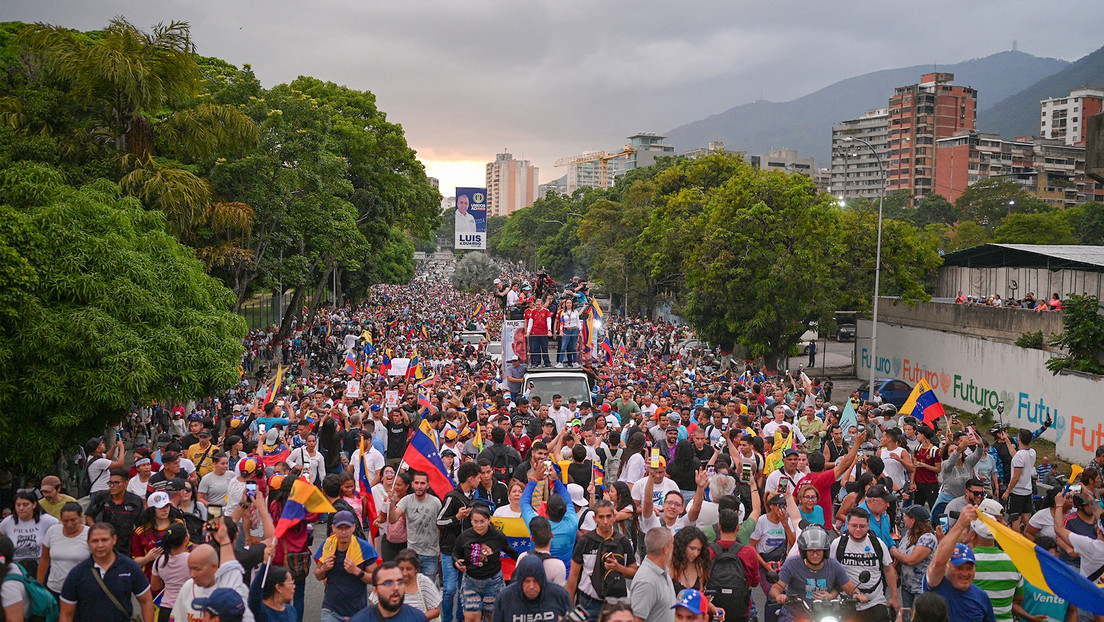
319	294
338	287
285	325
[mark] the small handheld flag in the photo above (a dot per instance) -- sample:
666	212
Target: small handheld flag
422	455
923	404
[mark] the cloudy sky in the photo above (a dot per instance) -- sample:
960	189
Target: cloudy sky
547	79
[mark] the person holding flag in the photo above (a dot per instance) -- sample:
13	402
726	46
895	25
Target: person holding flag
342	563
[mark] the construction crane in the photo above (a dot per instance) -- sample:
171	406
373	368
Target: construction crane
602	158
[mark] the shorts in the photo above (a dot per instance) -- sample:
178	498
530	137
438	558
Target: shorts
1020	504
479	595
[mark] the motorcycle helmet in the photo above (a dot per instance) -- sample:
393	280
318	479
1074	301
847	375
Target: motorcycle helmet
813	538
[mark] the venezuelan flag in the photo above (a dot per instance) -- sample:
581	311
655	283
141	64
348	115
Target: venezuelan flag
923	404
596	310
350	363
518	535
303	498
413	369
385	365
369	347
424	401
274	389
425	333
598	474
427	380
479	311
365	487
1045	571
422	455
392	326
608	350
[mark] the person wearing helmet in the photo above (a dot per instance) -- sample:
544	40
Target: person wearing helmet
812	575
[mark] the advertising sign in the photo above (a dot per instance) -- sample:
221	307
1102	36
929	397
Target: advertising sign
471	219
513	343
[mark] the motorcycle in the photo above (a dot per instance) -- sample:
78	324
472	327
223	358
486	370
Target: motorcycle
838	609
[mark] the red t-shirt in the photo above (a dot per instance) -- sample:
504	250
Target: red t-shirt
540	321
823	483
927	456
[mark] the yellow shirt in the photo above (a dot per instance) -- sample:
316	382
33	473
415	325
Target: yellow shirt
54	509
207	464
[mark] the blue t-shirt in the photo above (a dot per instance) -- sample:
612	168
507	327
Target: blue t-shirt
816	517
972	604
882	528
406	614
1038	602
123	578
346	594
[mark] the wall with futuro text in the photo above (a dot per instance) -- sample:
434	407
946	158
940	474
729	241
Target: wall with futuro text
971	373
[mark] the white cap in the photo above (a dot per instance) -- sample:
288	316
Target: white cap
158	499
578	496
991	507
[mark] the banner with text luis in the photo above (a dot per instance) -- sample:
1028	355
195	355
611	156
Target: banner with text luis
471	218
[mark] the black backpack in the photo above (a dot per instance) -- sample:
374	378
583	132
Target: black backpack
503	463
727	586
876	546
608	584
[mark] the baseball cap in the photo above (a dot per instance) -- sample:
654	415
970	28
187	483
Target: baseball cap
674	417
276	481
237	408
992	507
175	484
451	435
878	492
919	512
204	432
692	600
158	499
792	452
169	456
779	499
577	495
962	555
223	602
344	518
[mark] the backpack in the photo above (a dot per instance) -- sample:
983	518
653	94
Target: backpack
43	606
611	466
608	584
503	464
727	586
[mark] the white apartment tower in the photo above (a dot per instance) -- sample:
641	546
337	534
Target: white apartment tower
511	185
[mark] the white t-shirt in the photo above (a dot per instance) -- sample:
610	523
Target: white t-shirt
1091	551
772	427
633	469
776	476
657	521
768	534
65	554
554	569
1043	520
561	416
1024	459
230	574
893	467
97	474
659	491
313	467
137	487
11	591
373	462
859	556
27	535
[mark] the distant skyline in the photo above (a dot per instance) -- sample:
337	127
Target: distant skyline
547	79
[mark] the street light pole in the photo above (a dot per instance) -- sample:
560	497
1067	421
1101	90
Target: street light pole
877	267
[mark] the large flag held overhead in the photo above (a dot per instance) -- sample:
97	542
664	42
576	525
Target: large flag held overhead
1045	571
423	456
274	389
923	404
303	498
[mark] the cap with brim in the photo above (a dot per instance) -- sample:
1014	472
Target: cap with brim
693	601
578	497
204	433
791	452
777	500
344	518
878	492
158	500
176	484
962	555
919	512
223	602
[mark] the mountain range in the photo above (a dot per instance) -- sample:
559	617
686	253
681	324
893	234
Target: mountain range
1009	85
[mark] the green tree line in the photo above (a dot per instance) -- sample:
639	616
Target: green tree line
175	180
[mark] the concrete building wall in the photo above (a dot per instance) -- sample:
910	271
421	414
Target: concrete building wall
971	373
1043	282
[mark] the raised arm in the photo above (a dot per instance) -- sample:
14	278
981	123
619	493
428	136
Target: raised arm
843	465
937	569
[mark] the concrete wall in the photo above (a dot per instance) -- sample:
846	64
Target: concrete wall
1040	281
995	323
972	373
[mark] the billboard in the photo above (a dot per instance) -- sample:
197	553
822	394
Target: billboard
471	219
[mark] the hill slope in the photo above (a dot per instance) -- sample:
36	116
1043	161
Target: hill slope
806	123
1018	115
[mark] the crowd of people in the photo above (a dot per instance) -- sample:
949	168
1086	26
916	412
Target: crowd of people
668	493
1027	302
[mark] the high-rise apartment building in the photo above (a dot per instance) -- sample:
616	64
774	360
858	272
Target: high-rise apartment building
511	185
920	114
1064	118
599	169
855	171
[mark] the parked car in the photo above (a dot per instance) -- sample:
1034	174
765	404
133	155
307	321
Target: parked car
845	332
892	390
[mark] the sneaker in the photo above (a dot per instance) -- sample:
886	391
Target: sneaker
559	365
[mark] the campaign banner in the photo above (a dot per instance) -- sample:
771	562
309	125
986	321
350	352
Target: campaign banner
513	343
471	219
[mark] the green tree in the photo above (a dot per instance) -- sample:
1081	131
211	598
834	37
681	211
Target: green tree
934	209
968	234
1083	337
987	201
475	272
122	315
1043	228
1087	221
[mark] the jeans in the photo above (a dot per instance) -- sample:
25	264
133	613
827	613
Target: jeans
299	600
940	504
592	606
480	594
429	566
569	342
329	616
450	582
538	350
907	598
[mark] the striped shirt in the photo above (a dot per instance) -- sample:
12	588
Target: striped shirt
997	576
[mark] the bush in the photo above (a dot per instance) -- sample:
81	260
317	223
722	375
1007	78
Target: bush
1031	340
1083	337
